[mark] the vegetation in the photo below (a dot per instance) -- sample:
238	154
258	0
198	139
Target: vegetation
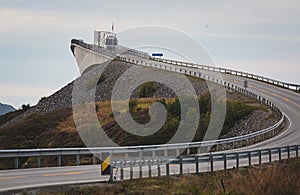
38	131
57	128
147	90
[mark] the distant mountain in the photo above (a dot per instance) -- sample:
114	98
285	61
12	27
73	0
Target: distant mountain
4	108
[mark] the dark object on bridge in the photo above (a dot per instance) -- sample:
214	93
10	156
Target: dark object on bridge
157	54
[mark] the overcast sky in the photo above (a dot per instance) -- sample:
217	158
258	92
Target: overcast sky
256	36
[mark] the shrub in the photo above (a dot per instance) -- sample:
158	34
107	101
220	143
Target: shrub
147	89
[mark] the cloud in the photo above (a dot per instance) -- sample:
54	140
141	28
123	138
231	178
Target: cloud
282	70
18	94
24	90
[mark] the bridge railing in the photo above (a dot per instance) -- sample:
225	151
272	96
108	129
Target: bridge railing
123	49
291	86
198	163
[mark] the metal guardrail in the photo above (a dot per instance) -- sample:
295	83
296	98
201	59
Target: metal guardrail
291	86
209	162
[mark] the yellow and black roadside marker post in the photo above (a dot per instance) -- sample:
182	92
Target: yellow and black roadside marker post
106	168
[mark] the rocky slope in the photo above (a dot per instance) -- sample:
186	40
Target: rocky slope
63	98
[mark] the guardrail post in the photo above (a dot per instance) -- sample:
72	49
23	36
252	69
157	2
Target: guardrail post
288	152
149	168
270	155
225	161
188	151
16	162
197	164
126	155
211	162
77	159
111	171
94	159
153	153
122	170
177	152
279	155
131	170
249	158
237	160
297	148
59	160
158	168
140	169
38	161
259	157
180	166
167	169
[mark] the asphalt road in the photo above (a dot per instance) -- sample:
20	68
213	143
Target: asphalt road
287	100
30	178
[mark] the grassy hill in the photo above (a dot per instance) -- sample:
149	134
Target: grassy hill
57	128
